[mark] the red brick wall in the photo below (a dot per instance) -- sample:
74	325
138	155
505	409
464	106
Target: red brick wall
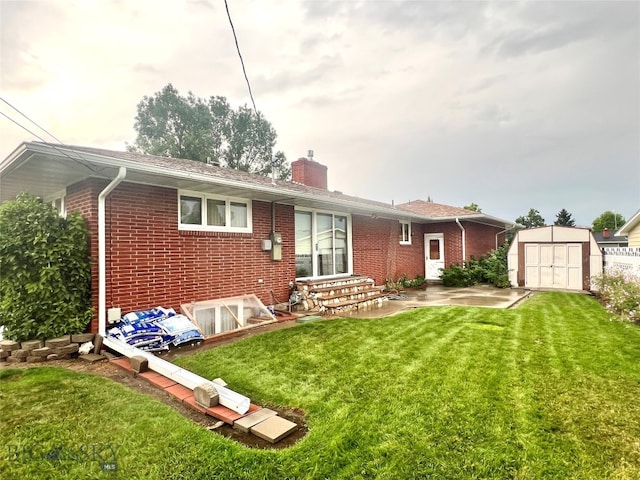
150	262
377	251
480	239
82	197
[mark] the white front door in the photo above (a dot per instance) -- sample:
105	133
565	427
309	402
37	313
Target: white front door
433	255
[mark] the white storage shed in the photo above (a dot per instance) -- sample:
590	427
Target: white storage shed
554	257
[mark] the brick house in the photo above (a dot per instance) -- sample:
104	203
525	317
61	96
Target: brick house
168	231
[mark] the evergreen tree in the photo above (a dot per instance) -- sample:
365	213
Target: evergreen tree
564	218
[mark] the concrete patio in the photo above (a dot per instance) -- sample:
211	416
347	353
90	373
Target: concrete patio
437	295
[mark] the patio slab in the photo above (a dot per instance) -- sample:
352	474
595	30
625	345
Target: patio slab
438	295
273	429
245	423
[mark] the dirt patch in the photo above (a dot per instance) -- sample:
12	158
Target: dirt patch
109	370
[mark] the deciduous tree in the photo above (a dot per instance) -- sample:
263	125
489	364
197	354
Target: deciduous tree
609	220
207	130
473	207
531	220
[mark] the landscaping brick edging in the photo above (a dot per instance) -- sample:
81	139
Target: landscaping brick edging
36	351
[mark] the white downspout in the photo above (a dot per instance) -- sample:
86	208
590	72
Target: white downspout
501	231
102	250
464	241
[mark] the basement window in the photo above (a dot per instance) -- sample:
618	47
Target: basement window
405	233
213	213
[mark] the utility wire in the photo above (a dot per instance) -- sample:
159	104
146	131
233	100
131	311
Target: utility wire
244	70
25	116
42	139
22	127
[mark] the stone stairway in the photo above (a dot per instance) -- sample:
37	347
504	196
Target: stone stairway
337	295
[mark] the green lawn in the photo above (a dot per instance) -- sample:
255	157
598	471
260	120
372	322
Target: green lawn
547	390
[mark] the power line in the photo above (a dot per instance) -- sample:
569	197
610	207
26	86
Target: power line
244	71
23	127
25	116
43	140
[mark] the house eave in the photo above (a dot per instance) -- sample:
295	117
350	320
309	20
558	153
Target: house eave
107	167
630	225
480	218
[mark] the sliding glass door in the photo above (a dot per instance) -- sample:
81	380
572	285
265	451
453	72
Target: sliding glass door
322	244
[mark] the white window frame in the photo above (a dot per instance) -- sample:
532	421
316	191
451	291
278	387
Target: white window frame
314	243
202	226
403	240
59	196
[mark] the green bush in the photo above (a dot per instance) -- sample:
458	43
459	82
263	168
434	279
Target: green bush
44	271
490	269
455	276
405	282
619	292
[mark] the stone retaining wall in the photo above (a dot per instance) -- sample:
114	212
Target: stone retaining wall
35	351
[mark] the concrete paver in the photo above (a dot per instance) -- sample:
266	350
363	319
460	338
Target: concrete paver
273	429
157	379
245	423
179	391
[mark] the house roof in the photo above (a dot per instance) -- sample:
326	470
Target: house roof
45	169
433	209
440	212
630	225
611	239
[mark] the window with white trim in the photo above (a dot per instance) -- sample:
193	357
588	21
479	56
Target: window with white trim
323	243
57	201
214	213
405	233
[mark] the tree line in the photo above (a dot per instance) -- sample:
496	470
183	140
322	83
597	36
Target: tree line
207	130
609	220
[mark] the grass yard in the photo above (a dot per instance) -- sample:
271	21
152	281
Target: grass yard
548	390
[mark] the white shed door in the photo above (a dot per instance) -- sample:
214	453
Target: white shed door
553	265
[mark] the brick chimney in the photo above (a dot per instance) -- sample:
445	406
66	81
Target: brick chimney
308	172
605	233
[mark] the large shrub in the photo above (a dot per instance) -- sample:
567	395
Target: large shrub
490	269
44	271
619	292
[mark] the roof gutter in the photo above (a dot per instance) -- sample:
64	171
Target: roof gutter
102	250
464	241
386	211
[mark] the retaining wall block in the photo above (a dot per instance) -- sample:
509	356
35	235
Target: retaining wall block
9	345
29	345
58	342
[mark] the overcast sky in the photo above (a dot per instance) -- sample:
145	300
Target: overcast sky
511	105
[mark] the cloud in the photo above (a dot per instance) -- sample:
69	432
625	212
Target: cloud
535	27
511	105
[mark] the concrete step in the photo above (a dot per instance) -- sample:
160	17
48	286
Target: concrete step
355	302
